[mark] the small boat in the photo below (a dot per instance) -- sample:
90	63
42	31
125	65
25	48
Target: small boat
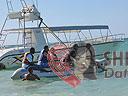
20	72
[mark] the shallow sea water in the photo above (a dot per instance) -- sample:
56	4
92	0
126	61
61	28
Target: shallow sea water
56	87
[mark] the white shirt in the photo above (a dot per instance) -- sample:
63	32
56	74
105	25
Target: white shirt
29	58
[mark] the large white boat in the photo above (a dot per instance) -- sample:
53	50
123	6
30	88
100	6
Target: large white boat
38	37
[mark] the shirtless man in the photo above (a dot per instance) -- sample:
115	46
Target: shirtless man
30	75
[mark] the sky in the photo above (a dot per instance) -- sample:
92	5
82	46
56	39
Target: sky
79	12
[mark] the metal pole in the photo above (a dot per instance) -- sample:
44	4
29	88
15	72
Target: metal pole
79	36
101	35
24	28
7	5
54	34
3	25
90	34
18	35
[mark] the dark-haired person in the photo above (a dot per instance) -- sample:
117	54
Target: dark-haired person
43	60
30	75
71	56
101	63
2	66
90	72
28	58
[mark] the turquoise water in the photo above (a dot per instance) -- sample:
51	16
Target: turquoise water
56	87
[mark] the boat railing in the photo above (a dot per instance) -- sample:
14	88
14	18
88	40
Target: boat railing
2	40
104	39
98	40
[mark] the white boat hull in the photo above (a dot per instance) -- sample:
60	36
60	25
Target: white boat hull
20	72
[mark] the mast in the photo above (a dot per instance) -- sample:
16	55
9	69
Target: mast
28	13
24	28
9	6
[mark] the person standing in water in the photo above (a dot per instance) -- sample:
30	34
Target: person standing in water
90	72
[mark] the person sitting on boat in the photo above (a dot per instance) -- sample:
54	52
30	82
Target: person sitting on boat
71	56
52	54
2	66
28	58
102	62
30	75
43	60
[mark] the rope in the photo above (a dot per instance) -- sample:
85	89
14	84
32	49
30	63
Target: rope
54	35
